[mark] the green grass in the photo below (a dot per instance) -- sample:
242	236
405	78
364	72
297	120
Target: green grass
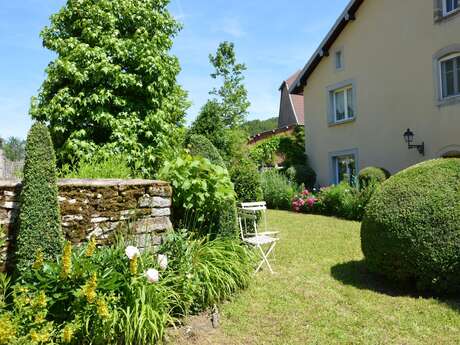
322	294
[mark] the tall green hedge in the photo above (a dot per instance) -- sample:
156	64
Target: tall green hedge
199	145
246	181
39	217
411	229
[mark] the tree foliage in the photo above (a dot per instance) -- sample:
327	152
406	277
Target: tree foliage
232	95
258	126
13	148
112	88
39	217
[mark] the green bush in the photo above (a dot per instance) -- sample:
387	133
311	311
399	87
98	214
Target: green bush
372	174
338	200
411	228
113	167
101	296
278	191
246	180
302	174
203	195
39	217
199	145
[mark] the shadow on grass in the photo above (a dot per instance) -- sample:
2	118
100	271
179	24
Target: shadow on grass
355	273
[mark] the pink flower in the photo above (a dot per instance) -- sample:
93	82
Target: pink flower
311	202
306	192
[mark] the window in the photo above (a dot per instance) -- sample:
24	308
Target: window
343	108
338	59
450	6
450	75
344	168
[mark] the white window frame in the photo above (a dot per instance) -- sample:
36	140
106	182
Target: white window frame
334	158
444	8
334	105
452	56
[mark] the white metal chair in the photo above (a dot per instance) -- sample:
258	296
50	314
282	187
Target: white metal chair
256	207
247	220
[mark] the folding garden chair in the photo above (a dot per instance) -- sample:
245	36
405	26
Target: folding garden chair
247	221
259	207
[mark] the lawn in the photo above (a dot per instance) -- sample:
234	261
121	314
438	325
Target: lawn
322	294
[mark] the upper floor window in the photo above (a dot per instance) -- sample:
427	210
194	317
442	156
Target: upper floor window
450	75
450	6
343	105
338	59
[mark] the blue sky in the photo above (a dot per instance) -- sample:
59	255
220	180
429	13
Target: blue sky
273	38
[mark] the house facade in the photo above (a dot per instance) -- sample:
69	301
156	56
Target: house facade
385	67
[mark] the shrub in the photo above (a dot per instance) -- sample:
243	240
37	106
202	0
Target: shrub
411	228
115	166
277	190
203	195
199	145
338	200
246	180
302	174
39	218
372	174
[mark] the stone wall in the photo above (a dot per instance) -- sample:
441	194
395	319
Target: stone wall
99	208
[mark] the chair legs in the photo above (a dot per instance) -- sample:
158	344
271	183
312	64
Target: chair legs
264	256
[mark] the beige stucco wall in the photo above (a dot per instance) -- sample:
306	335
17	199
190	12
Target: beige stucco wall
388	52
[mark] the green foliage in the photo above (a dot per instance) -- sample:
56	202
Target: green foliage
302	174
232	95
263	153
258	126
13	148
411	228
112	88
39	217
199	145
113	167
277	190
372	174
246	181
338	200
106	297
203	193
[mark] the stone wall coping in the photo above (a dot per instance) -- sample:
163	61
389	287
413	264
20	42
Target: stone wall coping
92	183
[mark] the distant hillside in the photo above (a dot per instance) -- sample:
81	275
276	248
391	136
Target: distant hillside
258	126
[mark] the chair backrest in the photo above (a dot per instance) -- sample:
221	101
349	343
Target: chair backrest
254	206
247	221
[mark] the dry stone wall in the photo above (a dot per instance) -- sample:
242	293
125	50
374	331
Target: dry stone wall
99	208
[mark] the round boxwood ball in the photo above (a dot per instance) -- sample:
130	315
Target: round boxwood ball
369	174
411	228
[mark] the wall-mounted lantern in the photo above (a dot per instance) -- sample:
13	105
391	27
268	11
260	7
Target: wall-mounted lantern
409	138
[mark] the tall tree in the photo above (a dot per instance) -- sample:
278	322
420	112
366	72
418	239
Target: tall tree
232	95
112	88
14	148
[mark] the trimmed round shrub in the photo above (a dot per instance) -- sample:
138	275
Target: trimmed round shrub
372	175
39	217
411	228
199	145
246	181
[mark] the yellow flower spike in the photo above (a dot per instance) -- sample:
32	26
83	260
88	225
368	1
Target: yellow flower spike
40	300
67	334
133	266
90	289
39	260
7	329
91	247
66	260
102	309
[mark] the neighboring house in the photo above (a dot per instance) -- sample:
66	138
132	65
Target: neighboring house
291	105
385	66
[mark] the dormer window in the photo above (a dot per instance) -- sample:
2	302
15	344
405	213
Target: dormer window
450	6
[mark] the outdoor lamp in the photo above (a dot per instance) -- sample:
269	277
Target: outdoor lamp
409	138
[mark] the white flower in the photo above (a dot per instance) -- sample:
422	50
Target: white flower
131	252
162	261
152	275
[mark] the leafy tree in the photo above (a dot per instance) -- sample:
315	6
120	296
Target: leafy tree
39	217
232	95
14	148
112	88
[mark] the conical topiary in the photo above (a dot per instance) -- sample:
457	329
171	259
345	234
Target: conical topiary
39	217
